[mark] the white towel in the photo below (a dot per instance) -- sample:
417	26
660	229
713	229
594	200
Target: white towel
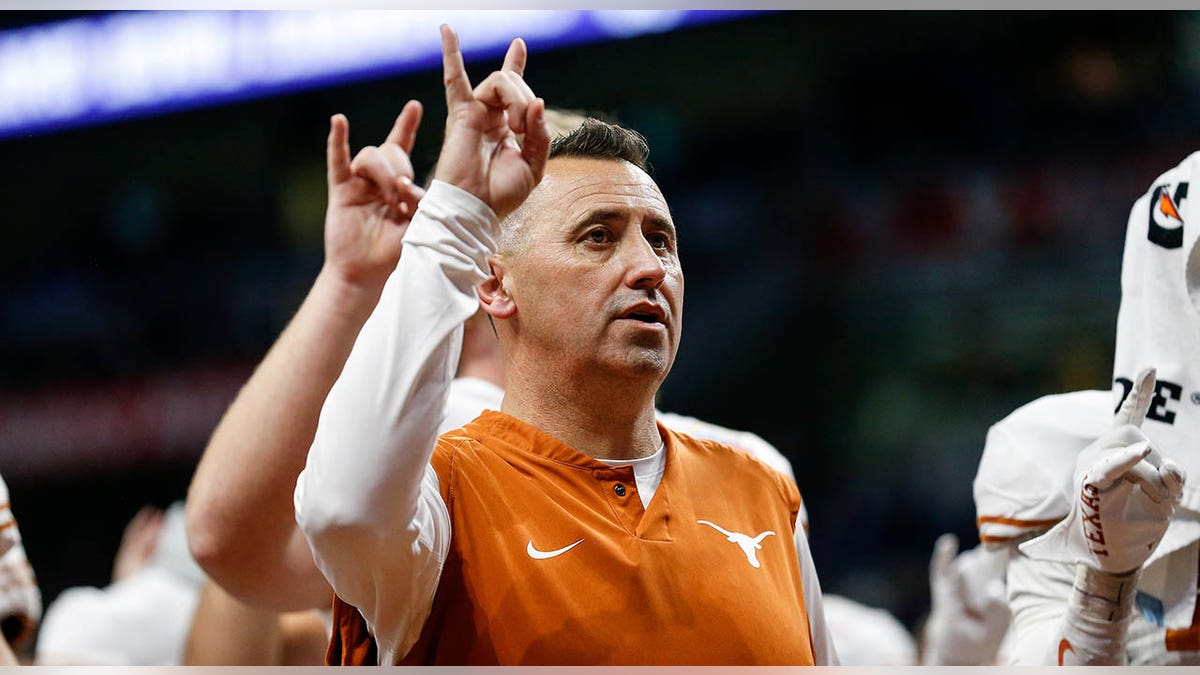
1158	324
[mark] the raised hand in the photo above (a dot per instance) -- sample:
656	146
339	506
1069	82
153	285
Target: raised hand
371	200
969	613
480	152
1127	492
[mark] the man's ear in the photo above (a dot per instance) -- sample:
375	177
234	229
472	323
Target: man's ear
493	292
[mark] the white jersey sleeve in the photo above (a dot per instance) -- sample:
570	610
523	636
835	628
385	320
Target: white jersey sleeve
824	653
1037	595
368	500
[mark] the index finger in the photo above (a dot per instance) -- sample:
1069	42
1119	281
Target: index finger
1133	409
454	71
514	59
944	550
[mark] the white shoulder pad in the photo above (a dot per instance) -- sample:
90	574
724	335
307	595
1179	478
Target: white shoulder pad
1023	484
749	443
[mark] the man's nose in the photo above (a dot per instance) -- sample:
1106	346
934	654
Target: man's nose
645	268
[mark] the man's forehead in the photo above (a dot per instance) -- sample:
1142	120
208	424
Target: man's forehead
573	185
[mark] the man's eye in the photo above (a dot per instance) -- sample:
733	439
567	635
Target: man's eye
597	236
659	241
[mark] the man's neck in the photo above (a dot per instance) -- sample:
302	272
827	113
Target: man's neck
490	369
603	420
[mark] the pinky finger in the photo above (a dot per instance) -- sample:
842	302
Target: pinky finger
1173	477
337	150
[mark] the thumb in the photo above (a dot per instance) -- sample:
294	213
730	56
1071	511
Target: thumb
1133	409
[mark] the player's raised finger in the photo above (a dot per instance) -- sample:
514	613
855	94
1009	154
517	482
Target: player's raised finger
944	550
337	150
454	71
404	131
514	59
1137	403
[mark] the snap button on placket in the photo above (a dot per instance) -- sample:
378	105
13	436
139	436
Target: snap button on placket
619	489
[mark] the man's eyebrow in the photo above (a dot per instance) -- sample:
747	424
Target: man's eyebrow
610	215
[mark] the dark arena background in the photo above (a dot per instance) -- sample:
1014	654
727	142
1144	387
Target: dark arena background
896	228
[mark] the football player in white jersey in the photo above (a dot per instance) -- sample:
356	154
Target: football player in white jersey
1022	488
1109	575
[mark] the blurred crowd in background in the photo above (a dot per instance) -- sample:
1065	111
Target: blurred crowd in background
896	227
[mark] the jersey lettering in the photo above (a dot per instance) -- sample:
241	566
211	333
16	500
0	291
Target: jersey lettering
1164	392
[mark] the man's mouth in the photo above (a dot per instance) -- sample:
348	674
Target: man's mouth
645	312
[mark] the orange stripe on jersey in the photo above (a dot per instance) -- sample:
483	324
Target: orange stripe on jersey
1182	639
1185	639
1016	522
11	523
989	539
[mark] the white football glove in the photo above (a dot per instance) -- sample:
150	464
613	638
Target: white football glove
969	613
1127	492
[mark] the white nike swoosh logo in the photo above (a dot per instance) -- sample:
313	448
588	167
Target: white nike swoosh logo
542	555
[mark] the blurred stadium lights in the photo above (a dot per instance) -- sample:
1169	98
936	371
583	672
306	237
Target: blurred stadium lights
129	64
